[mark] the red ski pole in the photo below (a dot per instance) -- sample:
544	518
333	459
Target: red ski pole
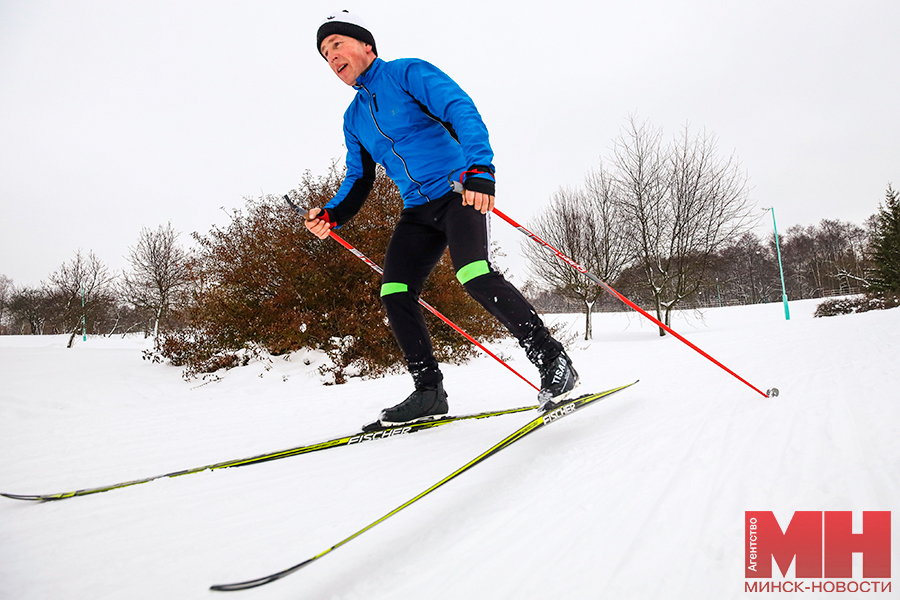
770	393
427	306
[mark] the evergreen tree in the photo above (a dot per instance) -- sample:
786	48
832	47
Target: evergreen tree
886	245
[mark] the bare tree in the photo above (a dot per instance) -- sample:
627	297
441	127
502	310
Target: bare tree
6	290
82	289
842	244
28	310
682	204
159	272
583	224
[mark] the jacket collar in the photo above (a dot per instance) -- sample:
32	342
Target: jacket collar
368	74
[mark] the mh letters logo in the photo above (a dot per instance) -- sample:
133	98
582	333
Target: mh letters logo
822	542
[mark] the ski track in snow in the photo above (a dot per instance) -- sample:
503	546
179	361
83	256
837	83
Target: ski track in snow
640	496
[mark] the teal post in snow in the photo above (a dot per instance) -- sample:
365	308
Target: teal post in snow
787	312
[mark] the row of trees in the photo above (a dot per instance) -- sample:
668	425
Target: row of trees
818	260
260	283
670	225
831	258
82	295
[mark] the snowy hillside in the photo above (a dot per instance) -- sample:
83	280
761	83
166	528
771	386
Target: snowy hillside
641	496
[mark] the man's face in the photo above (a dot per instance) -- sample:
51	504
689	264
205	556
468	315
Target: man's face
347	57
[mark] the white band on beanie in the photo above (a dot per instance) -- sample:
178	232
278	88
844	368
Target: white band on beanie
345	16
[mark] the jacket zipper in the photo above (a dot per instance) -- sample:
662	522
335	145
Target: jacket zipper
391	140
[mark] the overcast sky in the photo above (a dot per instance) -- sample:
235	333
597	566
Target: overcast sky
120	114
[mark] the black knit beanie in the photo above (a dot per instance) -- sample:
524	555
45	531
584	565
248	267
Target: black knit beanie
345	23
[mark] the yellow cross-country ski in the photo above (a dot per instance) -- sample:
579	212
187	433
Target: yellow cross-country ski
544	418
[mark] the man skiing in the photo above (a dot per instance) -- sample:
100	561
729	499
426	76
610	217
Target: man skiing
426	132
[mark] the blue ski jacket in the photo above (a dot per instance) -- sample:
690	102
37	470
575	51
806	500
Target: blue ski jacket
425	131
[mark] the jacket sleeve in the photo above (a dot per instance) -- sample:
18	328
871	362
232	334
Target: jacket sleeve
443	99
357	183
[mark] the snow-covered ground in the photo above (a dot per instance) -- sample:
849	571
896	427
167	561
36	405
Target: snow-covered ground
641	496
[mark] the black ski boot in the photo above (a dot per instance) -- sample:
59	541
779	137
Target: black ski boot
421	405
428	401
558	377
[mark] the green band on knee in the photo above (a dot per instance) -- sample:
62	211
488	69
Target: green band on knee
473	270
393	288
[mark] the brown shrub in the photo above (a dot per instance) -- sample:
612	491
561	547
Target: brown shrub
264	281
